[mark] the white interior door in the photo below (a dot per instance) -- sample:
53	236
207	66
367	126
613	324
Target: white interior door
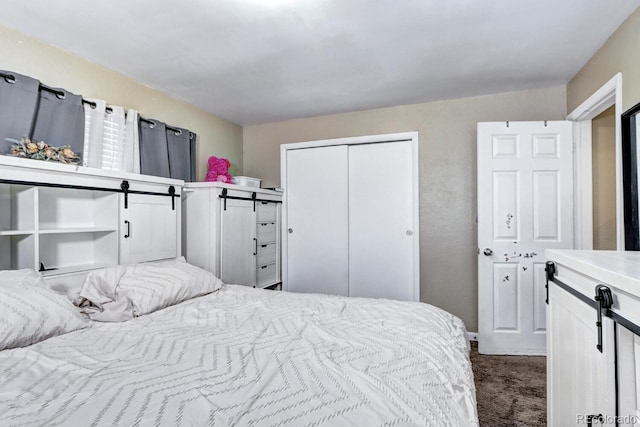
238	244
317	220
525	205
381	222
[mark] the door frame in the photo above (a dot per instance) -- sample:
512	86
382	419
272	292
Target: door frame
609	94
367	139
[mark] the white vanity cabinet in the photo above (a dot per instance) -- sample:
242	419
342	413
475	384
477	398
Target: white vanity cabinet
593	362
233	231
66	220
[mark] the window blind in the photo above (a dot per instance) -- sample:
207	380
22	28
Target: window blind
113	140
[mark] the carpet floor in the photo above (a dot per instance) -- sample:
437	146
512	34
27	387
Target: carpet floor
510	390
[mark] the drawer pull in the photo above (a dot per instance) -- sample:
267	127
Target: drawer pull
264	266
263	246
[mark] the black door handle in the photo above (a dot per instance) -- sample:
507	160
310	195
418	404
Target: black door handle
128	234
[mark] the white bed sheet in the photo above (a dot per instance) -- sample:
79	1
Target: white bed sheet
248	357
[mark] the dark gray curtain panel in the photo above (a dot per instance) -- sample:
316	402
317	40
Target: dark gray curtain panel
154	154
192	150
179	153
60	120
18	104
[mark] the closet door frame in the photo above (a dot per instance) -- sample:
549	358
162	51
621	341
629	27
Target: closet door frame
367	139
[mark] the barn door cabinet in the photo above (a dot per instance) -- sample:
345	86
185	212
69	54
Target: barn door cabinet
234	232
66	220
593	342
149	228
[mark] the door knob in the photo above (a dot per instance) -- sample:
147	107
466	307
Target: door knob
487	251
290	230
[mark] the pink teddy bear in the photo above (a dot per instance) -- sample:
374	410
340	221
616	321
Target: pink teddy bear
218	170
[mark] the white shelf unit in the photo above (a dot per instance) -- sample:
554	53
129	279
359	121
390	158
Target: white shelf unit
63	219
237	238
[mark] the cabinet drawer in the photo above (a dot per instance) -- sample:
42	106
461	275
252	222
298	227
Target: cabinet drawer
265	275
266	232
266	212
266	254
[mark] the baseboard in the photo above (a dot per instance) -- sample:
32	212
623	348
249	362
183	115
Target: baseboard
472	336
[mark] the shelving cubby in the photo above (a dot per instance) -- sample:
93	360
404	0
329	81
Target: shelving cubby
17	226
77	229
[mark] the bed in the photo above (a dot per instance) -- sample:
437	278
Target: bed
248	357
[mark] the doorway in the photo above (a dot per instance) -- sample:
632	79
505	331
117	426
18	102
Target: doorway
603	154
608	96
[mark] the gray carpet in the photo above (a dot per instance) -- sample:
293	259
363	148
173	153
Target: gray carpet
511	390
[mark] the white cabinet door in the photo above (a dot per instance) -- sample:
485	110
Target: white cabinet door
382	231
148	229
238	242
579	376
317	220
628	376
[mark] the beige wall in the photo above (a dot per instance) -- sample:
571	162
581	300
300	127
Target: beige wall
604	180
621	53
57	68
447	132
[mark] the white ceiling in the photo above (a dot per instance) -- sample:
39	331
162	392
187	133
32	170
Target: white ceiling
257	61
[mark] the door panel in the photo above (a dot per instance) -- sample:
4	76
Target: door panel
577	372
525	205
628	375
381	234
506	185
151	229
505	294
317	215
546	212
540	295
238	242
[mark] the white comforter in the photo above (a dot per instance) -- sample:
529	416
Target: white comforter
248	357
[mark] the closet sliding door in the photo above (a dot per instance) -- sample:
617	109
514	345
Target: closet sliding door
317	220
351	217
381	221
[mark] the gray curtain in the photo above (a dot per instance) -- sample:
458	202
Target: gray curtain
192	149
18	103
154	155
60	120
179	153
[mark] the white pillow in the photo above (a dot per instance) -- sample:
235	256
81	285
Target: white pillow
25	277
123	292
31	312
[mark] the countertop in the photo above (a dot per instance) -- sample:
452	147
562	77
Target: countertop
620	269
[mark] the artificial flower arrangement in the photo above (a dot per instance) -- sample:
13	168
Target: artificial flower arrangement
39	150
